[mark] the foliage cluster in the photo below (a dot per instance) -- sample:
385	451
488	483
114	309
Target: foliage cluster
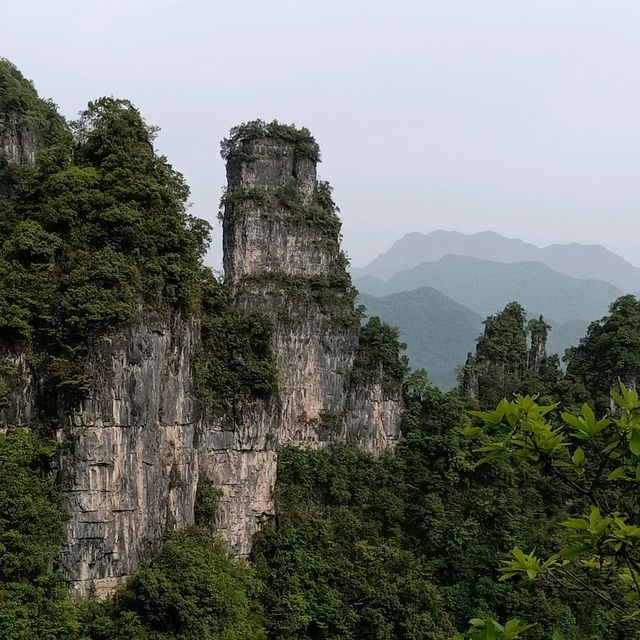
235	358
333	567
503	363
96	228
429	505
21	107
379	354
332	292
286	205
598	461
190	590
34	602
608	354
237	145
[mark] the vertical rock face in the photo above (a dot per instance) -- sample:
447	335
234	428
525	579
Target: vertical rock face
140	443
283	259
130	471
17	387
18	141
539	331
470	381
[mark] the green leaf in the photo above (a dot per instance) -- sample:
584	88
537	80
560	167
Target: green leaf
616	473
634	442
578	456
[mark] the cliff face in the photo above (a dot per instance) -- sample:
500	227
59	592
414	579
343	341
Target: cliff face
284	261
139	445
18	141
130	471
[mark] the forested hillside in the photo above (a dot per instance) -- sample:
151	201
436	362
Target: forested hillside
509	515
470	289
485	286
438	332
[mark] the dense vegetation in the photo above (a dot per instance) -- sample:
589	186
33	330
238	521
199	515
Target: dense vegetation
235	146
95	230
439	332
407	546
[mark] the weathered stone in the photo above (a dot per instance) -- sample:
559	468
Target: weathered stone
18	140
17	387
130	473
139	444
539	331
315	337
470	382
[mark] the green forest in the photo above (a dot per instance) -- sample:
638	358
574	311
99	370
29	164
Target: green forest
513	515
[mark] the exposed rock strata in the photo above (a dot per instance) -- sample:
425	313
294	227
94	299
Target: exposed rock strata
131	469
139	444
18	140
276	262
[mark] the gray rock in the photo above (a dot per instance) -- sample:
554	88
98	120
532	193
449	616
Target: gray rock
139	444
18	140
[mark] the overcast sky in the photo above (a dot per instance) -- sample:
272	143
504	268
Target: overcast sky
519	116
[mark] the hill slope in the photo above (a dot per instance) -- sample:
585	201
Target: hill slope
438	331
486	286
576	260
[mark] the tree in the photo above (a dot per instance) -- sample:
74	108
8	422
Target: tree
610	352
597	461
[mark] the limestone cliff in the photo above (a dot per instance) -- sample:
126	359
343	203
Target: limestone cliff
18	140
139	444
282	258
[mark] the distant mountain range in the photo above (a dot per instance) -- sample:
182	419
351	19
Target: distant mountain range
577	260
485	287
437	288
439	332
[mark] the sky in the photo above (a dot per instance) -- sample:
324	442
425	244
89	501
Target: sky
521	117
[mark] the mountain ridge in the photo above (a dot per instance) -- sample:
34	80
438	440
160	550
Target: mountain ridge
582	261
485	286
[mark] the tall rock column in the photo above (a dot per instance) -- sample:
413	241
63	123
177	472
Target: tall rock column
538	332
282	259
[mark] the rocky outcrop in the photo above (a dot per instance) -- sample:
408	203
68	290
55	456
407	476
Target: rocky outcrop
538	334
283	259
18	140
130	468
502	361
17	387
470	383
140	443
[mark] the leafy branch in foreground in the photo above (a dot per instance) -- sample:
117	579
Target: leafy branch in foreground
490	629
597	462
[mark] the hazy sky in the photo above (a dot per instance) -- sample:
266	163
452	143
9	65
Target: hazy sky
520	116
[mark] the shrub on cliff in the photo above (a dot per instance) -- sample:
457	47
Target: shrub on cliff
379	354
190	590
34	601
236	145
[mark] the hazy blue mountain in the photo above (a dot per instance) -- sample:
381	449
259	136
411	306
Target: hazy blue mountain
484	287
576	260
566	334
438	331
